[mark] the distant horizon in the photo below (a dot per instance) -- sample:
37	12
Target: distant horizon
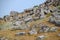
17	5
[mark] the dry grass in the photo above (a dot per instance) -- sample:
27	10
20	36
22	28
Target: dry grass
49	36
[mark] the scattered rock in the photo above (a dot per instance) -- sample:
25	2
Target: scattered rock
3	38
7	18
18	22
21	27
13	13
57	22
55	18
42	15
59	35
52	19
20	33
1	18
35	18
53	29
28	19
40	37
44	28
33	31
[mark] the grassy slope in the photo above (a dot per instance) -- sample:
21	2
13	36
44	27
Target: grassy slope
49	36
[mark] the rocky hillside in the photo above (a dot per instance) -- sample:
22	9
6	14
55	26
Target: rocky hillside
42	22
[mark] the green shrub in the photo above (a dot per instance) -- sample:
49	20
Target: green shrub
58	7
36	6
49	14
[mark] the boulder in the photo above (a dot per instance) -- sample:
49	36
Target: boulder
42	14
40	37
55	18
35	17
21	27
59	35
20	33
13	13
1	18
28	19
35	26
52	19
53	29
57	22
33	31
7	18
57	15
44	28
18	22
3	38
15	28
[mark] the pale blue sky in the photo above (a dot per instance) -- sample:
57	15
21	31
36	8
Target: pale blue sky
16	5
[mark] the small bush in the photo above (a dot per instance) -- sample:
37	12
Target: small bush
58	7
49	14
36	6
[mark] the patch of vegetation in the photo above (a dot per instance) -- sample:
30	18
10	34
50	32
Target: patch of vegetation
5	26
1	26
59	7
36	6
49	14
